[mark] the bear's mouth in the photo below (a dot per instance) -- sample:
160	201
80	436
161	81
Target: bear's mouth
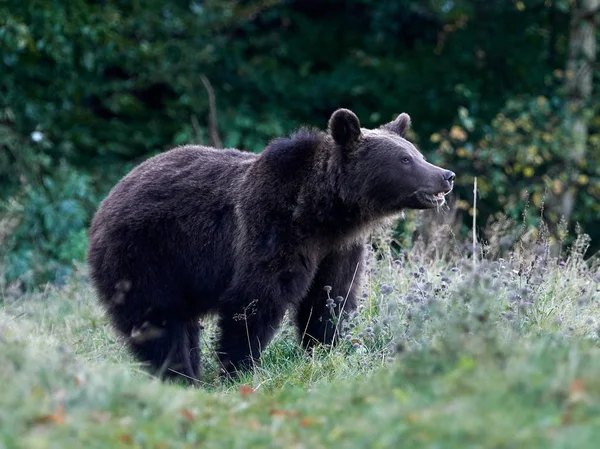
437	199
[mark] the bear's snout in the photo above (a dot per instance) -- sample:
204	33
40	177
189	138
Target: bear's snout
449	176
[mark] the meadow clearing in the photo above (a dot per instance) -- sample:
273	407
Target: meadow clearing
442	353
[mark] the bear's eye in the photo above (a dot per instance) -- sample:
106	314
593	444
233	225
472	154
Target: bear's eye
405	160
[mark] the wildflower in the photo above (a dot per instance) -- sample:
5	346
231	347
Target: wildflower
412	299
327	288
508	315
386	289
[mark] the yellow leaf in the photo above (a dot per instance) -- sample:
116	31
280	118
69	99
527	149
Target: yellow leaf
583	179
445	147
541	101
435	137
509	127
520	6
457	133
557	187
462	204
528	172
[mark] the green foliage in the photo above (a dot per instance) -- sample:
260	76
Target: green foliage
101	85
50	227
520	159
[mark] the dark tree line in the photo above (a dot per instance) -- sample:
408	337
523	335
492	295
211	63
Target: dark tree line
89	88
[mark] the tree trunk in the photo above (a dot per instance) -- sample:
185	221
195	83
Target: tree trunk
579	83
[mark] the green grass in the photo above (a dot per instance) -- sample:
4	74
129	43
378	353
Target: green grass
440	355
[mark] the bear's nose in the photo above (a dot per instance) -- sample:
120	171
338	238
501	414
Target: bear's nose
449	176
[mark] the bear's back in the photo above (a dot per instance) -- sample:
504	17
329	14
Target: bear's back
177	206
173	184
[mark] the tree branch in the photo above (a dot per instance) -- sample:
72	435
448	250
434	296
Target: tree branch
212	118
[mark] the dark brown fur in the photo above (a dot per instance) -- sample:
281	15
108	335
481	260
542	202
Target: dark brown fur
196	230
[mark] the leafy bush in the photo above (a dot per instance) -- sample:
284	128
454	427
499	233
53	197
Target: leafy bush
520	159
50	227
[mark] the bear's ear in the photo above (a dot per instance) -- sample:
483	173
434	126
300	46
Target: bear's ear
400	125
344	127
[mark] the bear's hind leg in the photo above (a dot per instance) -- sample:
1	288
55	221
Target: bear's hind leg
193	329
166	347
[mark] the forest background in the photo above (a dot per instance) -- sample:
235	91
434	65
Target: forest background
501	90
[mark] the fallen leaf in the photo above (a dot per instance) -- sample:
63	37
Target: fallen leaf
246	390
412	418
126	438
58	417
305	422
286	413
576	386
188	415
577	391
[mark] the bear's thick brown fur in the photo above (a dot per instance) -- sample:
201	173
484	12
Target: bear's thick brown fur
197	231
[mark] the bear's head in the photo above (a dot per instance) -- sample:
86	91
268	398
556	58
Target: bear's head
383	168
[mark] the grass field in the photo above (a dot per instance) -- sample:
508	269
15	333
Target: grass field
442	354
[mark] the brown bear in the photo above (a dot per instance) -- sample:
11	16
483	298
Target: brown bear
197	231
